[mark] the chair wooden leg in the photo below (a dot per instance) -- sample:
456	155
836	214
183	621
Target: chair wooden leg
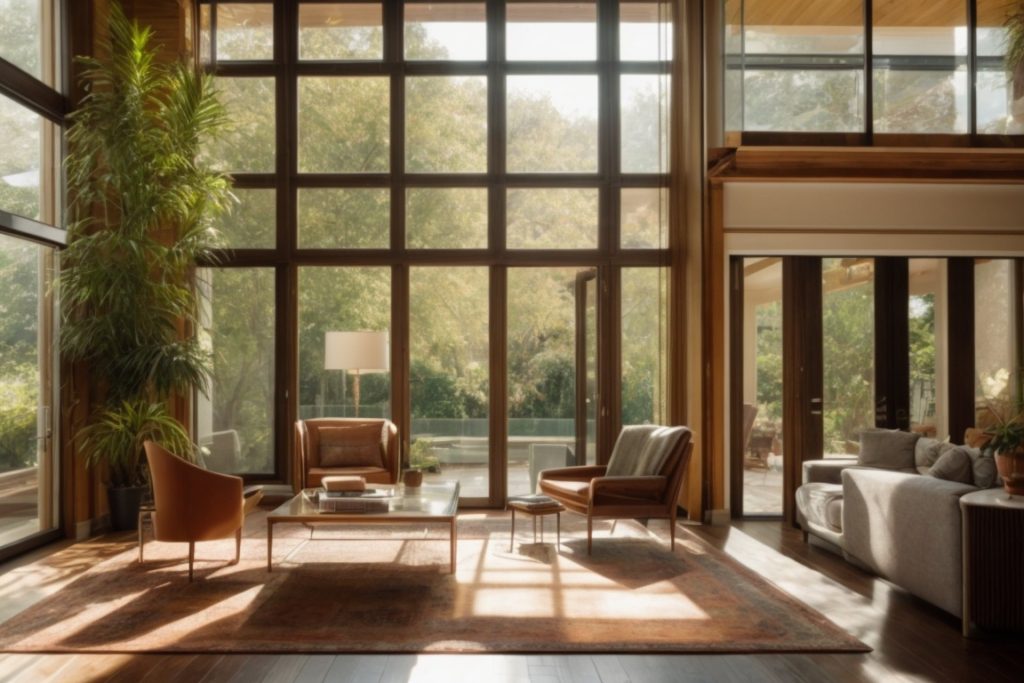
140	537
672	533
590	534
191	558
238	545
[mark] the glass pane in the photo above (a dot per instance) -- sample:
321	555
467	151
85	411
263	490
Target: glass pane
552	218
920	67
446	218
249	143
351	218
552	124
28	174
205	35
995	340
927	348
342	300
251	223
644	218
645	125
848	351
446	124
448	317
645	31
27	466
1000	92
235	423
802	66
733	80
344	125
803	100
445	31
341	31
763	453
564	31
244	31
541	373
21	34
823	27
644	345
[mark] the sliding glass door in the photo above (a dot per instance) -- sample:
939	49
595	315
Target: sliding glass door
825	348
28	492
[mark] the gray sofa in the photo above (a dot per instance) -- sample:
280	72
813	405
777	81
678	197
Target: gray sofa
898	523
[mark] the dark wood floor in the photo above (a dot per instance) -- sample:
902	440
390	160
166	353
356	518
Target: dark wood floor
912	641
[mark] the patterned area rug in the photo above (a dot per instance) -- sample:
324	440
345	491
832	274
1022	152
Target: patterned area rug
371	589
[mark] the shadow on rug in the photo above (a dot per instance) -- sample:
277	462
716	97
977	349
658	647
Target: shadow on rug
363	589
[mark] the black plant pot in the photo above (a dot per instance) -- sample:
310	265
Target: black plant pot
124	506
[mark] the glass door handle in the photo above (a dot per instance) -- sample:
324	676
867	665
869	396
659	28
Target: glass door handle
816	406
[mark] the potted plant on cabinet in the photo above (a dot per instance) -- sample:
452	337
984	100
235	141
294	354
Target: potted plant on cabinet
1006	441
140	211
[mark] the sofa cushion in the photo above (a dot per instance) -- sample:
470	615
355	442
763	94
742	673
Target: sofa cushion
888	449
953	465
822	505
578	491
928	451
983	468
626	456
351	446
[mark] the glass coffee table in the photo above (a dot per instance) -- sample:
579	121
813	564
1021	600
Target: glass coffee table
426	504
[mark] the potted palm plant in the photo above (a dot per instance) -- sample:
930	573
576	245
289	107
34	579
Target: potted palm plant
140	212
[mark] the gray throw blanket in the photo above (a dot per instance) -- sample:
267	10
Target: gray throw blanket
641	450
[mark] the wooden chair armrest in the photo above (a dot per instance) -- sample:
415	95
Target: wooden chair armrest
577	472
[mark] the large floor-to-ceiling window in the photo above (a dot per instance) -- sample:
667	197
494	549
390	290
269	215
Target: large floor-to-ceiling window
483	185
31	115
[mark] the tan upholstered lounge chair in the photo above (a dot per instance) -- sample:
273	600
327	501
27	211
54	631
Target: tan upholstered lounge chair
192	504
309	471
588	491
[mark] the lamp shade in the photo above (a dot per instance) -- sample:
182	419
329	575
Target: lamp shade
362	351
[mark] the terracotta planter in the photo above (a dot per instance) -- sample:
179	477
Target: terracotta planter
1011	469
412	478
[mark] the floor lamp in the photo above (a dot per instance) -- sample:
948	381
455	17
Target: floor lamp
359	352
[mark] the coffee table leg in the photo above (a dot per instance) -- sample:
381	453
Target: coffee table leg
454	542
512	536
270	544
558	530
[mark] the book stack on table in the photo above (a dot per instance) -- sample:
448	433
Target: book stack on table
349	494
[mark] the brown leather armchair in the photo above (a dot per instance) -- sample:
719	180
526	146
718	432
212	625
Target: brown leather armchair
193	504
361	447
590	491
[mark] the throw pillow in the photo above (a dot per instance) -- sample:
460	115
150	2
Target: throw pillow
983	467
352	446
927	451
953	465
888	449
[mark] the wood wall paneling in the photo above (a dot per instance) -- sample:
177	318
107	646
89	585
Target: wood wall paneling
960	276
802	372
892	339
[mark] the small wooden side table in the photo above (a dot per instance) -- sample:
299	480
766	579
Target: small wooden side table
534	511
993	561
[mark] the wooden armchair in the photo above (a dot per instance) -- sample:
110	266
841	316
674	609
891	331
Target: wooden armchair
361	447
192	504
641	481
